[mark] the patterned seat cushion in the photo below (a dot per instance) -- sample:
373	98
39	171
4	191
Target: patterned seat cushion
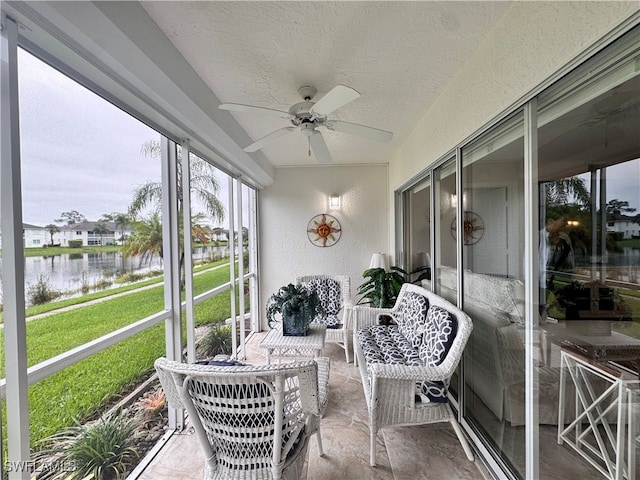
386	344
328	291
412	317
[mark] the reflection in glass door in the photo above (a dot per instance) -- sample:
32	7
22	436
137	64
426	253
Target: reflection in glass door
589	178
493	288
417	205
445	218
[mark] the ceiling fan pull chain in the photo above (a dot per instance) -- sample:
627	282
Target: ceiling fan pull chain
309	140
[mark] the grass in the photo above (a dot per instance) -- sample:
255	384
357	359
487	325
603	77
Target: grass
51	306
51	251
79	391
632	243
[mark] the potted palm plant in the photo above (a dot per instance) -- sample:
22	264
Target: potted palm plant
381	288
297	306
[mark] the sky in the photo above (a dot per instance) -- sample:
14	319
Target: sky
78	151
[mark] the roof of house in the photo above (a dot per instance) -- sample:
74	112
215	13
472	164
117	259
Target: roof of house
26	226
89	226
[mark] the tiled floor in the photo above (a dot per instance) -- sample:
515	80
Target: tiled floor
403	453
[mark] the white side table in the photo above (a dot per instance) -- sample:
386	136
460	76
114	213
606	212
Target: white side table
633	438
294	347
599	441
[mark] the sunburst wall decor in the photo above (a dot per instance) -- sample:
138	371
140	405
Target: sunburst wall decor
324	230
472	228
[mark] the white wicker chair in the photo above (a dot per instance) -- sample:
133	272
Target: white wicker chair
390	390
338	335
252	422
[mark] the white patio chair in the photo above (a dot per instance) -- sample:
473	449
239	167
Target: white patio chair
335	294
252	422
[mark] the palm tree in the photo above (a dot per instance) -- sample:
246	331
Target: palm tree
101	229
121	220
52	229
146	239
559	192
204	185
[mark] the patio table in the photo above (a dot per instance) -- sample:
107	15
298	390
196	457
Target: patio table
294	347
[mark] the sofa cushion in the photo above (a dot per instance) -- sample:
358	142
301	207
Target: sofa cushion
412	317
439	334
431	392
501	296
385	344
511	341
328	291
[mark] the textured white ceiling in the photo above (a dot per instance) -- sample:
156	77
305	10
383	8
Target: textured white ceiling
400	56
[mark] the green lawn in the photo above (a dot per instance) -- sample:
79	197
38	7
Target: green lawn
82	389
632	242
48	307
51	251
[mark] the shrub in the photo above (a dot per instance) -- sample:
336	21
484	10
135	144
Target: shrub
130	277
216	341
42	291
151	404
102	284
103	450
85	282
75	243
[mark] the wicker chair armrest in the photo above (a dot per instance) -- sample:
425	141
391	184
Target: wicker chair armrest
367	316
347	316
323	382
413	373
168	384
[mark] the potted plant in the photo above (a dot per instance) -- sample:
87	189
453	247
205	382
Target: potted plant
382	287
297	305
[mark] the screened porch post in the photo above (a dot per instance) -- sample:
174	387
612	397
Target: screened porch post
15	331
171	263
188	251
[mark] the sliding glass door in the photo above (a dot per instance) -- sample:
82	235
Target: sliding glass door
493	288
417	204
569	294
446	199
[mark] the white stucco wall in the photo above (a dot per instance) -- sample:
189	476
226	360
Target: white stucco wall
300	193
532	43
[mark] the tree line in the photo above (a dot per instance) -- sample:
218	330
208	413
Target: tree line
145	239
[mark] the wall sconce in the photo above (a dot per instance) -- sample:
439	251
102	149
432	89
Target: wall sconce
334	202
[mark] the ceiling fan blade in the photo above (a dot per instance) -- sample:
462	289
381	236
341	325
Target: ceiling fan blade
238	107
361	130
258	144
319	147
337	97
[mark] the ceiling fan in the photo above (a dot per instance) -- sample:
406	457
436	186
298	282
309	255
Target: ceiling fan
308	116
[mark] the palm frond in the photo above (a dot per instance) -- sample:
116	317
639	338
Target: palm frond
144	195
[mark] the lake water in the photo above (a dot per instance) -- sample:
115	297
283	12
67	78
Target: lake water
68	272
